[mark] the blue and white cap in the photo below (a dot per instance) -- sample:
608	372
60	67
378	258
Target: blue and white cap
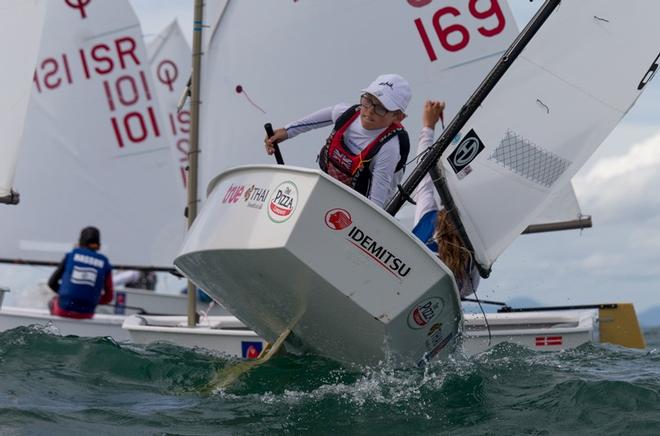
392	90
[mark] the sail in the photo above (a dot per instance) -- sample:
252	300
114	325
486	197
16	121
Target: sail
277	61
20	33
562	207
95	150
556	103
170	61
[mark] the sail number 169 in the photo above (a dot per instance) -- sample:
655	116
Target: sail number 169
453	36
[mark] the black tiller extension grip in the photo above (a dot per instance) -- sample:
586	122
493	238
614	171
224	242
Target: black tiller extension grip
278	154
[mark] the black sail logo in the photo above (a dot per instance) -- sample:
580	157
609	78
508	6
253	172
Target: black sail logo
649	74
466	151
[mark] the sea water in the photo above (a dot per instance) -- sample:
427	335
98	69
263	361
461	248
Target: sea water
50	384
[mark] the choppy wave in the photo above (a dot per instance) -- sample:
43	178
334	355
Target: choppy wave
53	384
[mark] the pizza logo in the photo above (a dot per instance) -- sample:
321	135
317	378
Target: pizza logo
283	202
425	312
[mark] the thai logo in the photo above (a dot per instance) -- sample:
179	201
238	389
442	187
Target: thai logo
255	197
338	219
425	312
248	193
283	202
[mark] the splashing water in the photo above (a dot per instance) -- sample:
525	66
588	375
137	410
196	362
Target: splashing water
50	383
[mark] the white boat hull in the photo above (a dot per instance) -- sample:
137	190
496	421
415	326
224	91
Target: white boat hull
126	301
224	334
100	325
541	331
129	301
288	248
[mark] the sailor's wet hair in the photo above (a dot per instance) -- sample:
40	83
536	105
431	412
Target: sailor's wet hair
88	236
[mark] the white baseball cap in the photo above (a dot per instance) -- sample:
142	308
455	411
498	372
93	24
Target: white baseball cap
392	90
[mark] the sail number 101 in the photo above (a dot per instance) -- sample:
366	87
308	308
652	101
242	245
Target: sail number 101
454	36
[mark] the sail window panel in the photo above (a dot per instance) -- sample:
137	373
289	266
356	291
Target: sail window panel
528	160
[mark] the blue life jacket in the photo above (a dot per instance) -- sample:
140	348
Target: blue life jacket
83	280
425	228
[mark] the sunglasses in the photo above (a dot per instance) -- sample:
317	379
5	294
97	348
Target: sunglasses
367	103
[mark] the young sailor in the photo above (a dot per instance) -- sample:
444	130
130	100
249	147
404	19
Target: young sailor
368	147
433	225
83	279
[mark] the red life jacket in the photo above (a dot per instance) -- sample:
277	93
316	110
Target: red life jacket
353	169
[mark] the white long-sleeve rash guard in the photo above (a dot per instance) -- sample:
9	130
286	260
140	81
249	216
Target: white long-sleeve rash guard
427	200
383	166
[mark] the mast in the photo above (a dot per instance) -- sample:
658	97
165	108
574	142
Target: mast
193	153
431	158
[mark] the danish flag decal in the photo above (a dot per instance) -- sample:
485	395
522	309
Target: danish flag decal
545	341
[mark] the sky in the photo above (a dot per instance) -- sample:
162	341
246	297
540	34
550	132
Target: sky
616	260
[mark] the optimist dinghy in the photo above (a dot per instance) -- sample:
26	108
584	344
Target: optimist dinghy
299	251
287	249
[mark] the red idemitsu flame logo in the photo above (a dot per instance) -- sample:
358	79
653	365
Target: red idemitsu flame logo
338	219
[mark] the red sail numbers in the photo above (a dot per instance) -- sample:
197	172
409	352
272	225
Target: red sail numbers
448	29
180	129
131	124
86	63
124	84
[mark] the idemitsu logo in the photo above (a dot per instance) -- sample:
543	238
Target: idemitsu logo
283	202
374	249
425	312
338	219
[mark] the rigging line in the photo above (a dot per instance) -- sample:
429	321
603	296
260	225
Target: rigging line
138	153
427	149
601	19
421	153
490	335
471	61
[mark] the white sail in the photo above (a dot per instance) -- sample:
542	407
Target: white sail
20	33
563	206
276	61
558	101
170	60
94	150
